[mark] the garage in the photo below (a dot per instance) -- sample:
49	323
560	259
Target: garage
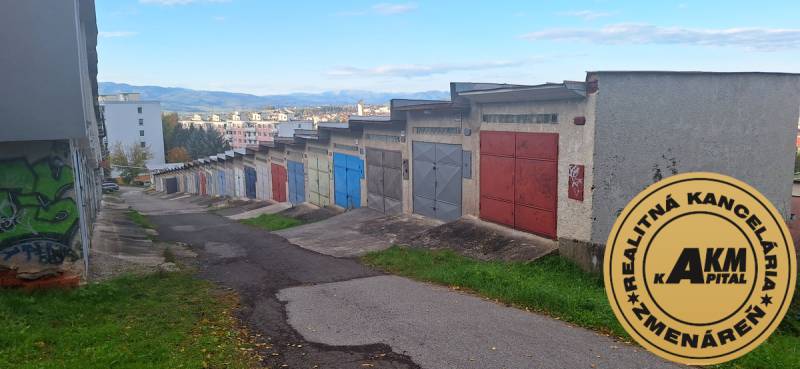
296	180
384	180
319	178
170	185
278	174
347	173
250	182
519	180
437	179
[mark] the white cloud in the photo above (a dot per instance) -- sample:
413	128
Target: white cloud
219	18
587	14
116	34
764	39
417	70
179	2
389	9
380	9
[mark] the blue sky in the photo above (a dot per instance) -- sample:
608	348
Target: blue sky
266	47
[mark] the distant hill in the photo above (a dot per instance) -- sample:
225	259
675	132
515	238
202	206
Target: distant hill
187	100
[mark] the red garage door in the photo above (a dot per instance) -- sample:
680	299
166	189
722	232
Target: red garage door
278	183
519	180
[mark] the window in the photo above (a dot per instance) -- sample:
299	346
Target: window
141	132
520	118
141	121
142	144
437	130
139	110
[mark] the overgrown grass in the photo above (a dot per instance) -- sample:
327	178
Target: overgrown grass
551	285
140	219
157	321
272	222
557	287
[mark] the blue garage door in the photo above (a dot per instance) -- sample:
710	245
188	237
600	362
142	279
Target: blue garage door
297	188
221	177
250	182
347	173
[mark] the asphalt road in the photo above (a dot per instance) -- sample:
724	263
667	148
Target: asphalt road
336	313
257	265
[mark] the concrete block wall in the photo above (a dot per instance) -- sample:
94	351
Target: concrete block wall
651	125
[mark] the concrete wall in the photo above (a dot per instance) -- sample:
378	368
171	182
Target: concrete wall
653	125
575	146
44	64
122	125
40	227
454	119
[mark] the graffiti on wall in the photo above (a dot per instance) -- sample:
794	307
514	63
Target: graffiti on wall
38	216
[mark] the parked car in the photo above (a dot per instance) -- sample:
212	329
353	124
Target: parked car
110	187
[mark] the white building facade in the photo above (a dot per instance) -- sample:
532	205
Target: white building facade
132	121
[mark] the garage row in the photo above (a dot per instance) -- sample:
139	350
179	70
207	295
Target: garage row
558	160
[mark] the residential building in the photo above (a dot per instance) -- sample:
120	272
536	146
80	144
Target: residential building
51	144
132	121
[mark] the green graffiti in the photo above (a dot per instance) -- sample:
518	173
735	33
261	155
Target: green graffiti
35	209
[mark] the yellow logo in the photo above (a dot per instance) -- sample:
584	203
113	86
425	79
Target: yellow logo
700	268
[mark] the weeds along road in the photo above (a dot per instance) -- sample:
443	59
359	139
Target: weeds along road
257	265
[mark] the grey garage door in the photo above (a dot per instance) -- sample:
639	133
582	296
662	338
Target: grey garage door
437	179
384	180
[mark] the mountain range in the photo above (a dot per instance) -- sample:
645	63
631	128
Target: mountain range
187	100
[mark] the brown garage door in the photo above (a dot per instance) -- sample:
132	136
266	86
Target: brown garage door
519	180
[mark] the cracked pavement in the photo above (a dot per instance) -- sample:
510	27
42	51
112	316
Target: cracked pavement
326	312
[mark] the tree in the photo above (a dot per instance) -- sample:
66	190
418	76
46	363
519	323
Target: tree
168	123
130	160
198	142
178	155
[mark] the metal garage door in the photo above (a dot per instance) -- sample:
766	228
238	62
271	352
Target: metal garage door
319	179
170	185
347	173
384	180
519	180
297	180
221	182
278	183
437	179
250	182
202	176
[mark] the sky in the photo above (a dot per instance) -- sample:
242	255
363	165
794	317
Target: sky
268	47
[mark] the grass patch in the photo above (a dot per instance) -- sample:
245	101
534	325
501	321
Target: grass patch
272	222
140	219
558	288
158	321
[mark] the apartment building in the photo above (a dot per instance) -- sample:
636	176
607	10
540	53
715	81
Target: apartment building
133	121
51	144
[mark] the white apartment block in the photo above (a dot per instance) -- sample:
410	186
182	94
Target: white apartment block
134	122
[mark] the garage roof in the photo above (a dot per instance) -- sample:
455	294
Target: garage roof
403	105
545	92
